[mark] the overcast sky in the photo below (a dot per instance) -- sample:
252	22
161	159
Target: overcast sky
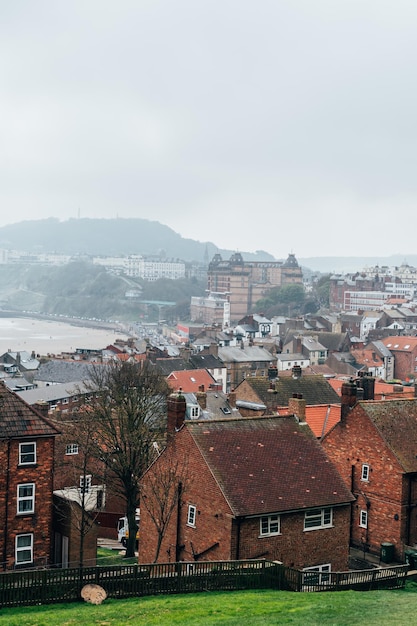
278	125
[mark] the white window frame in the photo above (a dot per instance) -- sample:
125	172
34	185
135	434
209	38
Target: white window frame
269	525
191	515
317	575
85	483
23	453
22	549
363	518
365	472
71	448
23	498
314	519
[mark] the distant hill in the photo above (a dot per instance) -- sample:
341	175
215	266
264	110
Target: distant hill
110	237
121	236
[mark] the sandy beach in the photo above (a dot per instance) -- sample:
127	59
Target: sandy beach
51	337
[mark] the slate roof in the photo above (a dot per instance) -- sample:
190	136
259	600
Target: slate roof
19	420
380	348
334	342
234	354
55	371
396	421
206	361
166	366
267	465
22	359
52	393
217	405
315	389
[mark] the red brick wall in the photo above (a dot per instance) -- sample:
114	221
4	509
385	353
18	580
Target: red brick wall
404	363
296	547
213	519
215	524
40	522
350	446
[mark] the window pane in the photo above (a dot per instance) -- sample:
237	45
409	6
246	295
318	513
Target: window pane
24	556
27	453
23	541
25	491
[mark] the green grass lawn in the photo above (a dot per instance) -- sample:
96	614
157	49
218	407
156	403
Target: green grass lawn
113	557
345	608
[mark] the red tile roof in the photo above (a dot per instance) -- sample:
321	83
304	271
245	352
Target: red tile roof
403	343
320	417
389	391
18	419
190	380
382	390
367	357
266	465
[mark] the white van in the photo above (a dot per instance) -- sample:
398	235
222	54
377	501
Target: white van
123	528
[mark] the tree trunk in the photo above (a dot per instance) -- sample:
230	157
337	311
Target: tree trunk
133	527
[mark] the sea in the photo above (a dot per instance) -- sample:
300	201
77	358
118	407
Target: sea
51	336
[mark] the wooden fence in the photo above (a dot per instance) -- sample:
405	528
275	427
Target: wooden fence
64	585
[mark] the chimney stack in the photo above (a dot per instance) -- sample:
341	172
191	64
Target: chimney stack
42	407
214	349
231	398
348	399
201	396
297	406
176	410
296	371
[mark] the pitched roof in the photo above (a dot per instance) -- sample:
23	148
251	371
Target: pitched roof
190	381
320	417
18	419
266	465
315	389
56	371
51	393
403	343
206	361
247	354
396	421
384	390
168	365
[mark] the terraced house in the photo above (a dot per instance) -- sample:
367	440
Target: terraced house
26	483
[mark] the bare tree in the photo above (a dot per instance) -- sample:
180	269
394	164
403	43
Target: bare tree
162	486
128	407
76	492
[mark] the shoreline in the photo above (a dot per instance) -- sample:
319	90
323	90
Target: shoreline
46	335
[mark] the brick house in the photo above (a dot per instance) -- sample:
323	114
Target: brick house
404	351
374	449
26	483
244	361
254	488
258	395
